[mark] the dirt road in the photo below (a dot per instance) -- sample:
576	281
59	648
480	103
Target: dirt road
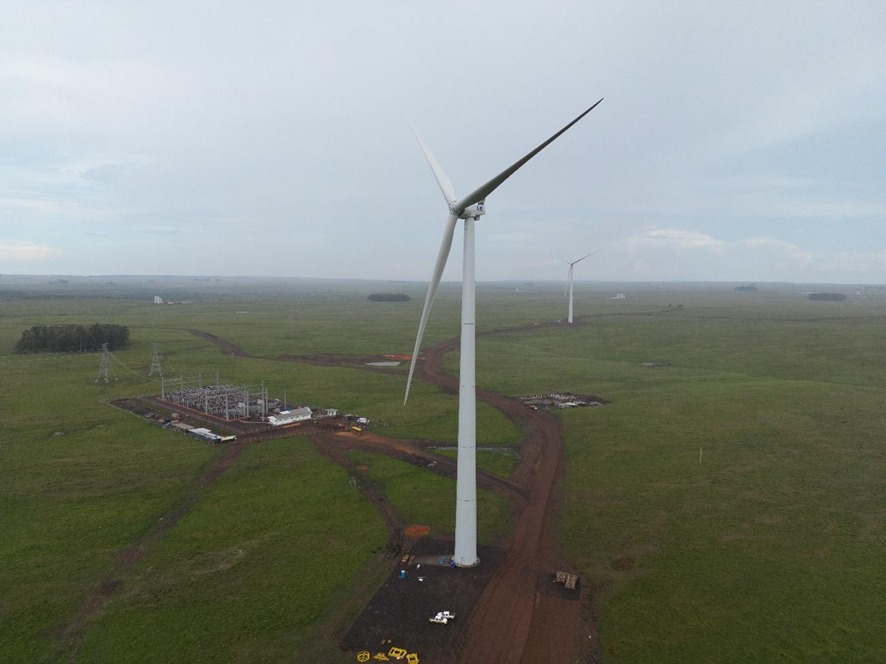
517	619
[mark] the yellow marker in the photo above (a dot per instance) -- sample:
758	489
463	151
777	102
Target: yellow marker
397	653
363	656
380	656
412	658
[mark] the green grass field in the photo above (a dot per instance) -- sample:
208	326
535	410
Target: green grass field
725	506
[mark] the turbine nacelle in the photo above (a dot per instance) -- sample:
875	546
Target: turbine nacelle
471	212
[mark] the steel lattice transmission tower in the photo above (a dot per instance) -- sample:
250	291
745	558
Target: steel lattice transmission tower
104	368
155	361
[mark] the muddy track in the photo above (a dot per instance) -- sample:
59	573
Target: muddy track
515	620
71	637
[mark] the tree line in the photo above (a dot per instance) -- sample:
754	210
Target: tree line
828	297
388	297
72	338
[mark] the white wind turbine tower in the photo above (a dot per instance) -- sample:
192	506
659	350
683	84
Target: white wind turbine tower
469	208
569	282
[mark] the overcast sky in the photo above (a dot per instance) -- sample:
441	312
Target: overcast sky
737	141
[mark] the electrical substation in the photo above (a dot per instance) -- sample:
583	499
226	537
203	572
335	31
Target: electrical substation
228	402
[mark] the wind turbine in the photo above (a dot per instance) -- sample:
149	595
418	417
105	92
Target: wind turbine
569	282
470	208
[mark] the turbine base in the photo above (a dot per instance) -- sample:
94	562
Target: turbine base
467	565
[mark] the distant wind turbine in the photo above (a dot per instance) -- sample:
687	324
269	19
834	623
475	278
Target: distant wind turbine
469	208
569	282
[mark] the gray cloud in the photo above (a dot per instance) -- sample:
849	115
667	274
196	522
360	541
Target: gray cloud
232	126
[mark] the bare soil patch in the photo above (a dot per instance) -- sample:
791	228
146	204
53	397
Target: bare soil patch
622	564
415	531
421	585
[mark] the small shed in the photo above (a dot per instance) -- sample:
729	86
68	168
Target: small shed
290	416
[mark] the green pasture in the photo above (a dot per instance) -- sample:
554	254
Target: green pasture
79	482
726	505
274	548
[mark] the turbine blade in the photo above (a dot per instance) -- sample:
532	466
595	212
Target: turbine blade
483	191
443	254
583	257
440	175
568	279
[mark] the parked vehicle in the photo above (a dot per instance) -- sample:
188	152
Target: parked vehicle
442	617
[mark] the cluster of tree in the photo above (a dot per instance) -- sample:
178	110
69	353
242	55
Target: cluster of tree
71	338
388	297
829	297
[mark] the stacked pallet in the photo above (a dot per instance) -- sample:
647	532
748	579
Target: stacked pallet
568	580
